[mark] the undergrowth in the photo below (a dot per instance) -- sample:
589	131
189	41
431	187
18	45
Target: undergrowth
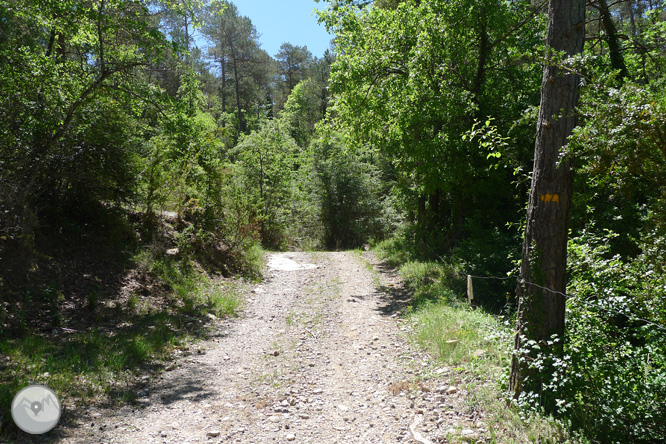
470	340
97	352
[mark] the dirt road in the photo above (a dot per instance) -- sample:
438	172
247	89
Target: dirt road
319	355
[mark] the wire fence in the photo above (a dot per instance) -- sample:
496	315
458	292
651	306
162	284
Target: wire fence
588	303
520	281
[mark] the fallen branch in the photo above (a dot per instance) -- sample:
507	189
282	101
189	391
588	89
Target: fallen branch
313	335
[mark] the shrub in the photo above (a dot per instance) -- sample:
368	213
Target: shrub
615	384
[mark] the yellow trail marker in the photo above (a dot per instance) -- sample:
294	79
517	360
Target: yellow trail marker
550	197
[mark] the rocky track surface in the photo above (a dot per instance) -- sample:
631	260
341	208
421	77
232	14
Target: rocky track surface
319	355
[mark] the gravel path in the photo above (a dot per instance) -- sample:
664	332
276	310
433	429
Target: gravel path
318	356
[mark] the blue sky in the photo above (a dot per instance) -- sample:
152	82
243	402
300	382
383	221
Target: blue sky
292	21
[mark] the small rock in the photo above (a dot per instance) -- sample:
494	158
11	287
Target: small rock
342	407
163	434
451	390
170	367
291	437
276	353
469	435
274	419
213	433
211	316
304	416
479	353
173	251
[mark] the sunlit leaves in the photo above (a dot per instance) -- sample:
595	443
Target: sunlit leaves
410	80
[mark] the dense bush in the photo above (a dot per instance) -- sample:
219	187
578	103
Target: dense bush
268	160
347	192
616	344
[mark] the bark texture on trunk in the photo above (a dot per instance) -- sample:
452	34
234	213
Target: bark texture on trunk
541	312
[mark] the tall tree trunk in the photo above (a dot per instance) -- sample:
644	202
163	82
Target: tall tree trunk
234	61
629	9
615	52
543	268
223	66
187	35
62	51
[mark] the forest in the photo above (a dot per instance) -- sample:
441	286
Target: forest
158	136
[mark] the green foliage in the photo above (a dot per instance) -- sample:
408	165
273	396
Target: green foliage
103	363
305	107
245	70
70	117
615	381
293	63
458	335
409	83
394	82
620	150
427	281
107	109
268	161
194	291
347	190
432	281
183	165
476	344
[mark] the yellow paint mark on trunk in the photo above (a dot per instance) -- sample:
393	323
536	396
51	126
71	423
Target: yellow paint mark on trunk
550	198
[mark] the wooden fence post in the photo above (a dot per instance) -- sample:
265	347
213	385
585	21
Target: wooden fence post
470	290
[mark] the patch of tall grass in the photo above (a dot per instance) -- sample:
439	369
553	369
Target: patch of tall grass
477	344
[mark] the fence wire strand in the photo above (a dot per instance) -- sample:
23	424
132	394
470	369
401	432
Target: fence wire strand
550	290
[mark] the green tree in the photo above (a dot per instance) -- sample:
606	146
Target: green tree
303	110
293	66
245	70
74	76
410	81
268	158
346	190
540	327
